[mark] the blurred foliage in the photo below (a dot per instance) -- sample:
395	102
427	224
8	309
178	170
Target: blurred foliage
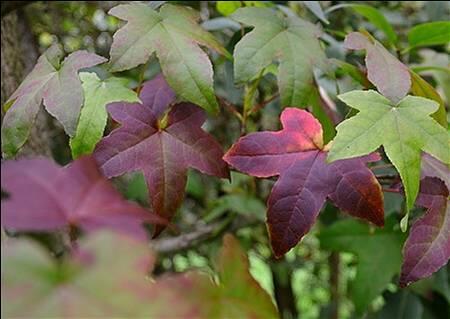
86	25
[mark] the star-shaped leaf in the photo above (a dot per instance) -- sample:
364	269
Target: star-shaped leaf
162	142
174	35
291	41
57	84
378	251
297	155
43	196
428	245
97	94
404	129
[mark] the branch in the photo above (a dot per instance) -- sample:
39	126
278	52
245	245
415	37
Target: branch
199	235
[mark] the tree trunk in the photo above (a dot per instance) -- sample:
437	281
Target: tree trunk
282	286
19	54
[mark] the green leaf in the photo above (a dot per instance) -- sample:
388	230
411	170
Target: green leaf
376	265
55	83
404	130
400	305
420	87
290	40
93	116
314	7
174	35
428	34
227	7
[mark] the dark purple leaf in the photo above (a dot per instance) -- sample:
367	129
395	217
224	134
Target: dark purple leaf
297	155
162	142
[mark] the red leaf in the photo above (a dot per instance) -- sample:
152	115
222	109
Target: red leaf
428	245
43	196
162	147
297	155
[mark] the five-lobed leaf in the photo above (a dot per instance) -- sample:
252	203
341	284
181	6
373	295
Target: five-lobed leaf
428	245
42	196
297	155
290	40
404	129
162	141
57	84
378	251
174	35
97	94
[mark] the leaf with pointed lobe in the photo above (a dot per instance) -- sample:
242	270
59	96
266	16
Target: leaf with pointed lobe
306	180
93	117
404	129
56	84
43	196
174	35
290	40
386	72
428	245
162	141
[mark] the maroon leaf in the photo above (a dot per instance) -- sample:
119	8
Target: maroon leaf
428	246
43	196
162	142
297	155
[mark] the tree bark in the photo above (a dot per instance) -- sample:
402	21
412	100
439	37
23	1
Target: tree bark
19	54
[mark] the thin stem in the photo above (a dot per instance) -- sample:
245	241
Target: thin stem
391	190
261	105
381	166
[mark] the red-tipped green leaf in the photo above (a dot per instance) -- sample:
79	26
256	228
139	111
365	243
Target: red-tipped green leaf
58	85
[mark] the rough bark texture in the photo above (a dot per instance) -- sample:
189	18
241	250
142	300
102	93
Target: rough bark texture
18	55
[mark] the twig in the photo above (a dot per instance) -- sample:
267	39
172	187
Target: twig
259	106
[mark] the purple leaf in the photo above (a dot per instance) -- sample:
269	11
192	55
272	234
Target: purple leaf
434	168
43	196
428	246
297	155
386	72
162	142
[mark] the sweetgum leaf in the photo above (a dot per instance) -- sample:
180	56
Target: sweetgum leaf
43	196
378	251
428	246
290	40
174	35
57	85
97	94
404	129
162	142
297	155
389	75
34	285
